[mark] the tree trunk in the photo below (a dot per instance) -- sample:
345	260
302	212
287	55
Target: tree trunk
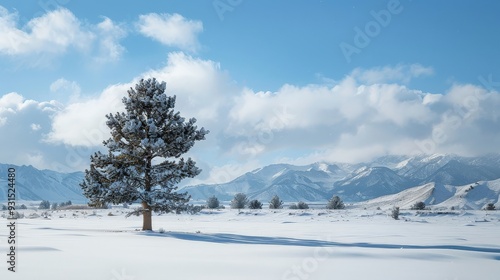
147	223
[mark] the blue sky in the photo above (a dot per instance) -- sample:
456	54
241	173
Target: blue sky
274	81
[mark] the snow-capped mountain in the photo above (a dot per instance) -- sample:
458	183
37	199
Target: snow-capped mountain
354	182
437	196
291	182
441	176
370	182
34	184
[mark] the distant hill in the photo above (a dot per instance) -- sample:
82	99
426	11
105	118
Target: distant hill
369	182
439	180
354	182
34	184
471	196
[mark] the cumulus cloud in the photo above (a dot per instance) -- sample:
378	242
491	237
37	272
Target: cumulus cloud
202	89
57	31
171	30
361	117
349	120
22	138
399	74
53	32
89	115
35	126
110	35
67	90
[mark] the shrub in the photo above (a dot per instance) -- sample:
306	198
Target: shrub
45	204
335	203
302	205
190	209
275	203
418	206
239	201
64	204
395	213
4	207
75	207
299	205
16	215
213	202
23	207
255	204
55	206
490	207
97	205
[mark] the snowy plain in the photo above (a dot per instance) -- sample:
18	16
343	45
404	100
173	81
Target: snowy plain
257	244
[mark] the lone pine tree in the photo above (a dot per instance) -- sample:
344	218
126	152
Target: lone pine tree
144	162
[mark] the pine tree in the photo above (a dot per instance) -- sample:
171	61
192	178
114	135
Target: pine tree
275	203
144	160
239	201
213	202
395	213
45	204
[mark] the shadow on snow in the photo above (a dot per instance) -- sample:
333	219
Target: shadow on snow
226	238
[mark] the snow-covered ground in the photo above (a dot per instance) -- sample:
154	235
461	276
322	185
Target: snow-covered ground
261	244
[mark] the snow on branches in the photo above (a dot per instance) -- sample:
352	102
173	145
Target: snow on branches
150	131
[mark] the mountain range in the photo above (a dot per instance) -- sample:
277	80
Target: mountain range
354	182
441	176
34	185
440	197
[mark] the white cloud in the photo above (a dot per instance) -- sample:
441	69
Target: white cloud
53	32
84	123
35	127
223	173
110	34
56	32
23	144
202	91
358	119
346	121
14	102
387	74
68	90
171	30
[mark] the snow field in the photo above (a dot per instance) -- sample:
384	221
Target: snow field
261	244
